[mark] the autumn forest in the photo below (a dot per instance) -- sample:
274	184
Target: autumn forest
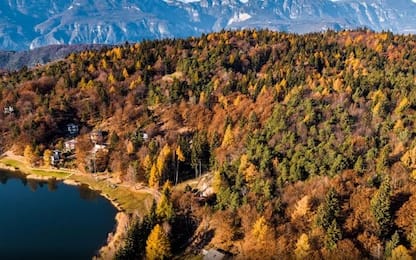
302	146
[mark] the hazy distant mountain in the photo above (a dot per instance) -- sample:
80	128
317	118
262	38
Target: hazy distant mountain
12	60
30	24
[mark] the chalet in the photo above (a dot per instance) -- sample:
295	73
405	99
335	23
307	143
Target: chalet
8	110
69	146
72	129
145	136
56	157
97	137
98	159
98	147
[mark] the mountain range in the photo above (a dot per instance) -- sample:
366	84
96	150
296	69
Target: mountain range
30	24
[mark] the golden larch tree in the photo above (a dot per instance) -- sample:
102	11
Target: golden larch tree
302	247
260	229
400	253
47	157
157	244
29	154
164	209
228	136
154	177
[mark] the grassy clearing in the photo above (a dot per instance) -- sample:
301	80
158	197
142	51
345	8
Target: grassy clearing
12	163
21	166
130	201
50	173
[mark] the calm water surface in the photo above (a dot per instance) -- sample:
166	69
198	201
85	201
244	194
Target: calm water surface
51	220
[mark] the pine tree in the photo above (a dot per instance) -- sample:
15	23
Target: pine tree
329	210
200	152
392	244
359	165
333	235
412	237
380	207
157	244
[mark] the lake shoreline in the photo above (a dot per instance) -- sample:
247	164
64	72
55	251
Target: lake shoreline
116	237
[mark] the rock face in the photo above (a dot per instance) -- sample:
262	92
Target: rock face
30	24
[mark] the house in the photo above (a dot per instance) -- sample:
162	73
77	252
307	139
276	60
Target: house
213	254
8	110
98	147
69	145
97	161
56	157
72	129
97	137
145	136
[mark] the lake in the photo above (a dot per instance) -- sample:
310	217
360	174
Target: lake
51	220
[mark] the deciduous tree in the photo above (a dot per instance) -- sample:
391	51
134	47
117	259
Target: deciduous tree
157	244
303	247
47	157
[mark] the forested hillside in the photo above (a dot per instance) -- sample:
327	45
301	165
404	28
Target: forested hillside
308	139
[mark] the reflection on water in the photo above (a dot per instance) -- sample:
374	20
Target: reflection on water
87	194
51	220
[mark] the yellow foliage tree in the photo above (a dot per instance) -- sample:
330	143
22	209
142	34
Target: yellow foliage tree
154	177
138	65
91	68
104	64
147	163
260	229
302	207
216	181
162	158
29	154
179	153
248	170
338	85
164	209
157	244
400	253
118	53
47	157
402	105
409	158
243	163
251	174
130	147
125	73
228	137
302	247
111	78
